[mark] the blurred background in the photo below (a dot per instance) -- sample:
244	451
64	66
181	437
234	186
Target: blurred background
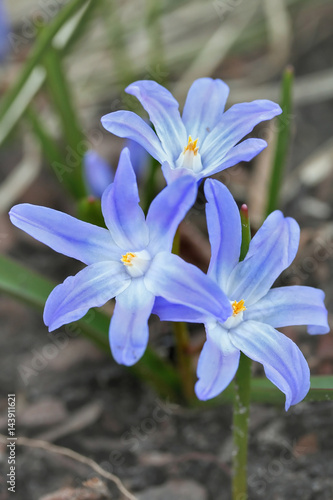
64	64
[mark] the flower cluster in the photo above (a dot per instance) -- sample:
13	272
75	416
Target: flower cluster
131	258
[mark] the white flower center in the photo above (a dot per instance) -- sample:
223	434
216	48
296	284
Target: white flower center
190	158
237	315
137	263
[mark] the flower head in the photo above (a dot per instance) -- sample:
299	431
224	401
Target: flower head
130	260
4	32
257	310
98	173
205	140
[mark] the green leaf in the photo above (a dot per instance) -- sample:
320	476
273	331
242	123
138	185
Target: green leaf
32	77
263	391
63	104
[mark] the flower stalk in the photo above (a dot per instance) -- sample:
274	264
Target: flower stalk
182	343
242	386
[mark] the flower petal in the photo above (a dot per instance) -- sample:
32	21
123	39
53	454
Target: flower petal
65	234
167	210
129	324
91	287
283	362
97	172
236	123
218	363
292	305
139	158
272	250
123	216
163	112
172	173
245	151
130	126
204	107
167	311
224	229
182	283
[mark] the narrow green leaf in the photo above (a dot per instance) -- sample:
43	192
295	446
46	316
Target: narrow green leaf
16	100
73	136
283	140
263	391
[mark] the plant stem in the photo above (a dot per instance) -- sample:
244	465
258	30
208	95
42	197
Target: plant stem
240	428
242	386
182	341
284	122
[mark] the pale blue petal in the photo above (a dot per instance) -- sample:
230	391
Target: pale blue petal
128	125
65	234
204	107
4	32
167	210
122	213
236	123
129	324
139	158
292	305
218	363
163	112
272	250
91	287
173	173
182	283
283	362
245	151
167	311
97	172
224	229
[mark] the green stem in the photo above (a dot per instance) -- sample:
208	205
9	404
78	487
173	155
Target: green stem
182	341
283	140
242	387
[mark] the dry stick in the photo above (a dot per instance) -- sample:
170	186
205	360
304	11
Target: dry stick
60	450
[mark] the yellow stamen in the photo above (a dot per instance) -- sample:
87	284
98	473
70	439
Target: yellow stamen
238	307
191	146
127	258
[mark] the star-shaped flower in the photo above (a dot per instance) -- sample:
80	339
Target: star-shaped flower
257	309
205	140
131	260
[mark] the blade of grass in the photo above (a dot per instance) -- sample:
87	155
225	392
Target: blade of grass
283	140
16	100
63	103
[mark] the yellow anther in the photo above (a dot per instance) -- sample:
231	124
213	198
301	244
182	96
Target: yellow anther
127	258
238	307
191	146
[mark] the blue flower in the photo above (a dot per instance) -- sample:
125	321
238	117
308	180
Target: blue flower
257	309
131	260
205	140
4	32
98	173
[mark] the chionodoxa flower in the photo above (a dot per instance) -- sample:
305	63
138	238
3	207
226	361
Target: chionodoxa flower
257	309
205	140
130	260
